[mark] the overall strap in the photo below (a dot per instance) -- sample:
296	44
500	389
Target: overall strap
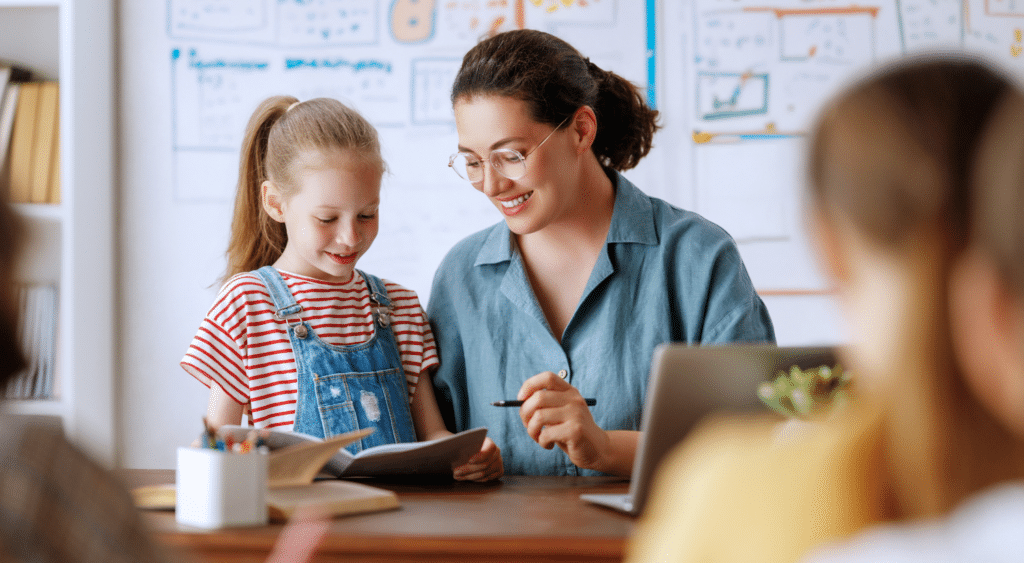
282	297
378	298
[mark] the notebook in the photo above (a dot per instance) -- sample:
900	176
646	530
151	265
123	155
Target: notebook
689	382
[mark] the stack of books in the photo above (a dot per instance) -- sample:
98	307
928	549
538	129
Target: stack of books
29	137
37	331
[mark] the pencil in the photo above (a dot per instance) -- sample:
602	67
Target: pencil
590	403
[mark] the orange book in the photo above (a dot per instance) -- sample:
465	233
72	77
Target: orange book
45	141
23	143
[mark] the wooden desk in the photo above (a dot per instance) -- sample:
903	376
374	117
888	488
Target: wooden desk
532	519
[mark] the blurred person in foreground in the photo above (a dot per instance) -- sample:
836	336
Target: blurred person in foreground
56	504
927	462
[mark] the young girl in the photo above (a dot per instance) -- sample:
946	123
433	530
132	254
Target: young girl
890	166
297	336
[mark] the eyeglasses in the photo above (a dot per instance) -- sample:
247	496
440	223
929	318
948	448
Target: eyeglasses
510	163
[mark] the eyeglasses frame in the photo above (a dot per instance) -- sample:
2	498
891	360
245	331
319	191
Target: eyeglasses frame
451	159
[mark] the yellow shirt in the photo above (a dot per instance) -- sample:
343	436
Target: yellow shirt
738	491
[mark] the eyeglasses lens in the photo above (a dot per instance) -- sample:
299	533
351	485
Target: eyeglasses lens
507	162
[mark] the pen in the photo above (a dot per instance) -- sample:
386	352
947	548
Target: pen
590	403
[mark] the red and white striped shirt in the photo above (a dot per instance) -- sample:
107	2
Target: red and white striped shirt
244	350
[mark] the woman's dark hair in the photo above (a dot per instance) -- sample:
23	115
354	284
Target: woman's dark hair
555	80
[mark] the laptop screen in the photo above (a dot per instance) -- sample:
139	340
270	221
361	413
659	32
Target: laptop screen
687	383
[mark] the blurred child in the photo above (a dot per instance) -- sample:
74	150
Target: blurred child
57	504
890	162
297	336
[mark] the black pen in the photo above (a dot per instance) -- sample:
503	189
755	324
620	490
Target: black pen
590	403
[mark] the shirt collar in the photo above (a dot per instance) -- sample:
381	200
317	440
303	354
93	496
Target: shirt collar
633	218
632	221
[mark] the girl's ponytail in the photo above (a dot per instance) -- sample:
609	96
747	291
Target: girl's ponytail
256	239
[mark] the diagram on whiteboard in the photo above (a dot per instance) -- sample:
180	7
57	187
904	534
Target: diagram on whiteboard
760	71
762	68
393	61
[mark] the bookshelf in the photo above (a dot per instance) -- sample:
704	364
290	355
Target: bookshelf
72	244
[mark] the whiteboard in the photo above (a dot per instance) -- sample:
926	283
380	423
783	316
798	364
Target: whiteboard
756	74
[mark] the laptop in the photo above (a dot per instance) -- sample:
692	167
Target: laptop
688	383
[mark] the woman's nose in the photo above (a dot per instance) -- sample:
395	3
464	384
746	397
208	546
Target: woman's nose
492	182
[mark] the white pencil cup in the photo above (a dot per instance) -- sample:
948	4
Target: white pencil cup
218	489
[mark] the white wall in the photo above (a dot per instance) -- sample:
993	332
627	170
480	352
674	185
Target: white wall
186	90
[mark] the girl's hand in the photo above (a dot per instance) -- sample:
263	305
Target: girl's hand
555	414
485	465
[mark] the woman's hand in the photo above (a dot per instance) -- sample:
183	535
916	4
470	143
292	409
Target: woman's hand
555	414
485	465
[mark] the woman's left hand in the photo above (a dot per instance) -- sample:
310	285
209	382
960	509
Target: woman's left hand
555	414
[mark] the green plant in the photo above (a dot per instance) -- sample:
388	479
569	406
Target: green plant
806	393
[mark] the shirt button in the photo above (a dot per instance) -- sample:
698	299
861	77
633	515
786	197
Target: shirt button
563	374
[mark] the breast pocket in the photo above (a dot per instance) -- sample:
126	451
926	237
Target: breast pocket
378	400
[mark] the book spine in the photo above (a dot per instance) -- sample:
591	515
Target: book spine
45	142
23	143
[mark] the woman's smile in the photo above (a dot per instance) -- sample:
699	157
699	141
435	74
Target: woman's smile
513	205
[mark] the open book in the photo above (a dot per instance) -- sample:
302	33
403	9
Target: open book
434	457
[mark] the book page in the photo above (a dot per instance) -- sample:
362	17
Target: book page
299	464
436	457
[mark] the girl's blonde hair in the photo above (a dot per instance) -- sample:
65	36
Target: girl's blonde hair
278	139
893	156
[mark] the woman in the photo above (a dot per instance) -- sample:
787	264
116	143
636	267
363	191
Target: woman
568	297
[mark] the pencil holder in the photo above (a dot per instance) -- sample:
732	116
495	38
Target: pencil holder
217	489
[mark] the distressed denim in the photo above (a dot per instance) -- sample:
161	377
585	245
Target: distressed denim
346	388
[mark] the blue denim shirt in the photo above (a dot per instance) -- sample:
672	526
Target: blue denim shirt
665	275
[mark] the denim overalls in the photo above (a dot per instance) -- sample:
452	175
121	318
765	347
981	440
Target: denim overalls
346	388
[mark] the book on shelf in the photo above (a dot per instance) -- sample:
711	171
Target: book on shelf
19	166
46	143
432	457
31	168
37	332
10	77
8	107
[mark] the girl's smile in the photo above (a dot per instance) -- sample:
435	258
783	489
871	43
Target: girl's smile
346	259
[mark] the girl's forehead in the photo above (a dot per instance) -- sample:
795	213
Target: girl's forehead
341	157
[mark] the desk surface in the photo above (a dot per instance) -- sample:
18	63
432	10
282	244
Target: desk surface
519	518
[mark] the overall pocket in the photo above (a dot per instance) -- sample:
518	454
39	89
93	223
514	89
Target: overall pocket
352	401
